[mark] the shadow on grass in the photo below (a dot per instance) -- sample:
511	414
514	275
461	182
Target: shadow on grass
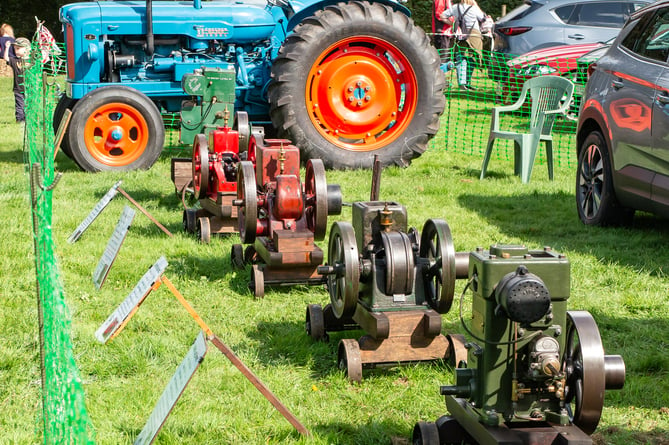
551	219
11	157
655	436
369	433
288	341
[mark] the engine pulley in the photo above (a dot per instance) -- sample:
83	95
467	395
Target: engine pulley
399	257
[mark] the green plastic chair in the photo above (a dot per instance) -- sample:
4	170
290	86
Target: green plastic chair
550	96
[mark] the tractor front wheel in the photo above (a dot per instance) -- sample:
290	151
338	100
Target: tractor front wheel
64	103
356	80
115	128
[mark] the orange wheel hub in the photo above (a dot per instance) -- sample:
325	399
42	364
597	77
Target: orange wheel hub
361	93
116	134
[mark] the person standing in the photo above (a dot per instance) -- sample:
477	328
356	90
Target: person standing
442	32
18	63
466	16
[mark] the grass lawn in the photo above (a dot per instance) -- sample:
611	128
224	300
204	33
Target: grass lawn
619	275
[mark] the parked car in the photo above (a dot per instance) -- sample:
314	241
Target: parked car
560	60
623	129
544	23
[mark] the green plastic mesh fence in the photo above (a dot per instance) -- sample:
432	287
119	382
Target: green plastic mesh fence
475	84
65	419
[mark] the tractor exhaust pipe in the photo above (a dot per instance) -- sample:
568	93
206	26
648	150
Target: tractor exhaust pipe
149	28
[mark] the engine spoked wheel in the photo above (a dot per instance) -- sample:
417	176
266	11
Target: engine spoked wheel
316	191
436	246
243	128
584	364
200	166
115	128
247	215
343	257
364	80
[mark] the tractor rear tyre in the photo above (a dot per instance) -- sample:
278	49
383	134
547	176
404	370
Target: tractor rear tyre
63	104
356	80
115	128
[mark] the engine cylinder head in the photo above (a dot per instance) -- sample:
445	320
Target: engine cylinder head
523	296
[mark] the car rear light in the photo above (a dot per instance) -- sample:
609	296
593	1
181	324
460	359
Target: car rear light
513	30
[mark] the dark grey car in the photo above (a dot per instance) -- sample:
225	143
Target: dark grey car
623	130
544	23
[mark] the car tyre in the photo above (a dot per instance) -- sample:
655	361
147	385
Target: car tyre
595	195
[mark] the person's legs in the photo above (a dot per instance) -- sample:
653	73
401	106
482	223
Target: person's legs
474	48
443	45
19	107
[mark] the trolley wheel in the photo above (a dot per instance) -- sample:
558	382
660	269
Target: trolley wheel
202	230
247	216
200	166
237	256
348	358
425	433
436	246
343	257
189	220
457	350
315	322
584	365
250	255
257	282
316	191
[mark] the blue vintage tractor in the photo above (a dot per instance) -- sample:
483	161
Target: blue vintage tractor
343	80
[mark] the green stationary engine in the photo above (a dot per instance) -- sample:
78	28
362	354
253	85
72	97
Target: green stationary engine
536	372
216	89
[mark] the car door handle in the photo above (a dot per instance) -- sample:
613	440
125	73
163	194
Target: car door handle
617	84
576	36
663	98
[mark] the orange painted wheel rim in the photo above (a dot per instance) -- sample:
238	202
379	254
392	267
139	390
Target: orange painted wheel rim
116	134
361	93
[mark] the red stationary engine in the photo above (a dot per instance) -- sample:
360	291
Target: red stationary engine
282	216
215	160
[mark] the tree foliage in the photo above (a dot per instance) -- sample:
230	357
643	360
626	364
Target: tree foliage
21	14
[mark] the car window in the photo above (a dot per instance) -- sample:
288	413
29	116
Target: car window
650	36
521	11
564	12
611	15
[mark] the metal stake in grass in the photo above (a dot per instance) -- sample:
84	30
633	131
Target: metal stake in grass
121	316
100	206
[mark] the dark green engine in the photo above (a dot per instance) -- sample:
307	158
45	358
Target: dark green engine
536	372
